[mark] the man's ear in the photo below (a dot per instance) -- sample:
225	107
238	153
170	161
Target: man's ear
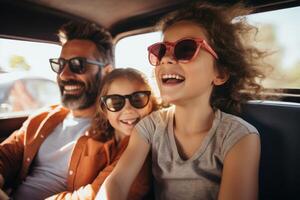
221	78
107	69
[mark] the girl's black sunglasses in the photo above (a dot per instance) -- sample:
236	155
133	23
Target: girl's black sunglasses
116	102
77	65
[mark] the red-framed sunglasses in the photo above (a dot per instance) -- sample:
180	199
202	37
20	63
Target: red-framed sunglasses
183	50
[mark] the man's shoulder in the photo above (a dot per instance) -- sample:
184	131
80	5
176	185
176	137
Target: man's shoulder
49	115
48	110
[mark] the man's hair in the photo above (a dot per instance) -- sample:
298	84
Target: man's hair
226	28
92	32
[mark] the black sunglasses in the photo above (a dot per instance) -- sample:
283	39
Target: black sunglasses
77	65
116	102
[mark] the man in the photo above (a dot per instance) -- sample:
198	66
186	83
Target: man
54	154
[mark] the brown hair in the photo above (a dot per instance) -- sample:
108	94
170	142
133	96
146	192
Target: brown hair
100	125
89	31
225	29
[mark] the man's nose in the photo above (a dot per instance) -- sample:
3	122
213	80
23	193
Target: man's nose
66	73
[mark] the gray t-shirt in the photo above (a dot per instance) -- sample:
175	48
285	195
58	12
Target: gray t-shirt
50	168
199	177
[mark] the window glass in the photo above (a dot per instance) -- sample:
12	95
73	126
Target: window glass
277	33
26	79
132	52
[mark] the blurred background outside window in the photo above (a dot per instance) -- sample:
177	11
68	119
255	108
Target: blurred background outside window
26	80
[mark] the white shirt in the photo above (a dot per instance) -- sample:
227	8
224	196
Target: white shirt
50	167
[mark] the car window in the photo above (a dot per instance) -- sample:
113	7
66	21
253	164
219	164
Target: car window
137	56
26	80
277	33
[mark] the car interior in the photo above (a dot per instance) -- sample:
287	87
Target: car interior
277	121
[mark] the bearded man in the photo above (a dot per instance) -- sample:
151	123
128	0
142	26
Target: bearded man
51	155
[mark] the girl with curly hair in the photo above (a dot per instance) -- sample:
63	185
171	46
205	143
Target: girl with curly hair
199	151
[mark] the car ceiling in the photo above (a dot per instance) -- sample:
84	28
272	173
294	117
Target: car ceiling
40	19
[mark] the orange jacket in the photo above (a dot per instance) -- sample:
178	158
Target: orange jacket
91	161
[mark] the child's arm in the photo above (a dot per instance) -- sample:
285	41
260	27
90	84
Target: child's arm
3	195
118	183
240	172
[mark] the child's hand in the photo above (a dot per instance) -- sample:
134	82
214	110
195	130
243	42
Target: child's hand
3	195
1	181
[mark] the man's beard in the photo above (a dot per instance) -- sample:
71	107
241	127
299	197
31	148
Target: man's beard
85	99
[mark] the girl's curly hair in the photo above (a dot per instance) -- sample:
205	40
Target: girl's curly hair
226	28
101	127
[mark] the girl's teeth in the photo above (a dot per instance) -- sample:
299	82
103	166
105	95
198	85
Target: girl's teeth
173	76
129	121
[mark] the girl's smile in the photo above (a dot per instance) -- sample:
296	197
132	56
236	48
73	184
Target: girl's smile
172	79
190	80
124	120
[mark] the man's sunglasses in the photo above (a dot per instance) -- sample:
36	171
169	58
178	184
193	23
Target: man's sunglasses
77	65
116	102
183	50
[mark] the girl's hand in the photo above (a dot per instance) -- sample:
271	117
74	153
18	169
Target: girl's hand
3	195
1	181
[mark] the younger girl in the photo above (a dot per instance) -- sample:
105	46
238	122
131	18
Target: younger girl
199	152
125	98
